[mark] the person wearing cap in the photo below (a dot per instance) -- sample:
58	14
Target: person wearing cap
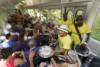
65	43
65	40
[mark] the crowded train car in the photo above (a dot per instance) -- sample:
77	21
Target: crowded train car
49	33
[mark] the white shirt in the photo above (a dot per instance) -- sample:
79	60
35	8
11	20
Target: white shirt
5	44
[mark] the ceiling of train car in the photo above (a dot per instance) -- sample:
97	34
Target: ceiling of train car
56	3
8	4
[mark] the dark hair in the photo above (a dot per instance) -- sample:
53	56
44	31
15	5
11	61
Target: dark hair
31	43
50	25
43	40
64	14
8	35
21	36
19	55
79	18
6	52
17	66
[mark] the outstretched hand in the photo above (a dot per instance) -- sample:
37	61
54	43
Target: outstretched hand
31	55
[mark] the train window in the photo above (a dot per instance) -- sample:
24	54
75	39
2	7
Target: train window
96	28
69	14
79	12
55	14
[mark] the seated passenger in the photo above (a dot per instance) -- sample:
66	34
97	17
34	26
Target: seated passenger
65	40
84	31
65	43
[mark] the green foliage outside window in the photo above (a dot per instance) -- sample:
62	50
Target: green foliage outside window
96	29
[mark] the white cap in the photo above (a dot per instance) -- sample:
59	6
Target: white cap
63	28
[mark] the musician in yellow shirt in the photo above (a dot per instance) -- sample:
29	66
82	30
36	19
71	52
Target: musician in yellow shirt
67	19
83	29
65	40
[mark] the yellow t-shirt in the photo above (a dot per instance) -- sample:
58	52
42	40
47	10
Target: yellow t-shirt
68	22
83	30
65	42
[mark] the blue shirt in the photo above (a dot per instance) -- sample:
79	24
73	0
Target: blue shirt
5	44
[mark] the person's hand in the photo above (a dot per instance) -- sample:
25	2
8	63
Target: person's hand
22	53
31	55
17	52
83	43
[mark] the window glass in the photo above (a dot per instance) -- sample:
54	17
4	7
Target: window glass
96	28
70	14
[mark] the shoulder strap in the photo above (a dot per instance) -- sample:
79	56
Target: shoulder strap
77	30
